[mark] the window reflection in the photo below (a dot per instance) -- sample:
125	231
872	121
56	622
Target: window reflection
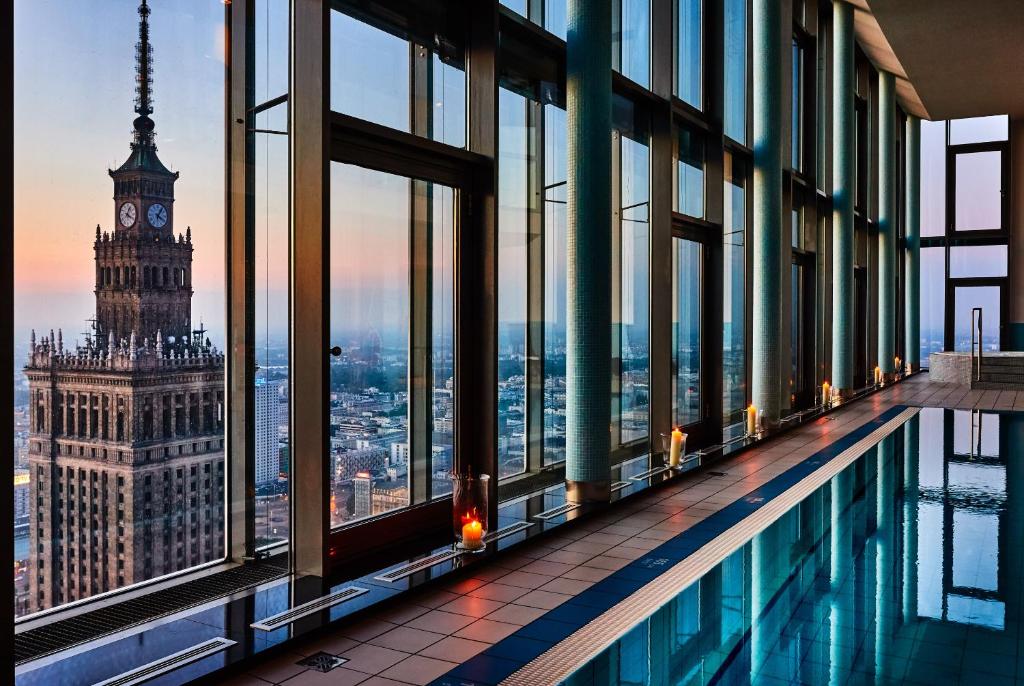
689	52
631	41
687	278
735	121
690	173
734	386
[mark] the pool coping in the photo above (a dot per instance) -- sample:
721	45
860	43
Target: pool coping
549	649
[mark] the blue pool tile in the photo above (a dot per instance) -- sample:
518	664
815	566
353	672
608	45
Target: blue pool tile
574	613
482	669
518	649
546	630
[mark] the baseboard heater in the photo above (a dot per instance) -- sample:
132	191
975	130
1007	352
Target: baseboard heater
556	511
174	661
305	609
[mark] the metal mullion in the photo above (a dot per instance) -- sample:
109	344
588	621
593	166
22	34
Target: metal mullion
535	286
420	377
309	176
616	284
240	256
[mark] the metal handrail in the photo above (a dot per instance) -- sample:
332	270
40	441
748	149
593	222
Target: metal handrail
977	374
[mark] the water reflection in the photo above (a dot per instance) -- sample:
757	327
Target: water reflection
905	568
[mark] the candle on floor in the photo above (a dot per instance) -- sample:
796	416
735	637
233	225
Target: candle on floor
878	375
826	394
751	420
472	534
676	451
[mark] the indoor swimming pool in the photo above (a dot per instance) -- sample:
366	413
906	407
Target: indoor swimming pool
906	567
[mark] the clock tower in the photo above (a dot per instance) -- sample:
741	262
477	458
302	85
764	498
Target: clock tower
143	272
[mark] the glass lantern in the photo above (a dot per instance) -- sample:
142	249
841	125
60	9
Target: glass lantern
469	510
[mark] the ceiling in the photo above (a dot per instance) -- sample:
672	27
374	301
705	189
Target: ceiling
952	58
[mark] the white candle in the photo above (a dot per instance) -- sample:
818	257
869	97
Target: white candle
826	394
472	535
751	420
676	451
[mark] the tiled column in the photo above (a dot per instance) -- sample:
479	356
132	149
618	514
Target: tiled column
912	202
588	248
841	610
886	224
843	180
911	451
767	197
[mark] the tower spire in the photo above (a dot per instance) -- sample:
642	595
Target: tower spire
144	80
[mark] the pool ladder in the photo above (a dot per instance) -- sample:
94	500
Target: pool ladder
976	370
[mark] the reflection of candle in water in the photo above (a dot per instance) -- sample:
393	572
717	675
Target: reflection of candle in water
676	451
472	534
751	420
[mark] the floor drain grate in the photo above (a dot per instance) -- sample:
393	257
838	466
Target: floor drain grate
322	662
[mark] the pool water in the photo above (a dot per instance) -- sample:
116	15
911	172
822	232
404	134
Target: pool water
908	567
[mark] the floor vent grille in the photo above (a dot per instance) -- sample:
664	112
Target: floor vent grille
619	485
322	662
655	471
305	609
169	663
418	565
556	511
507	531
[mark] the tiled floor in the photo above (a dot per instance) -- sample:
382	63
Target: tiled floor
427	634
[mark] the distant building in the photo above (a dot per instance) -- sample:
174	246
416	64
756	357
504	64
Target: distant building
362	485
21	496
268	422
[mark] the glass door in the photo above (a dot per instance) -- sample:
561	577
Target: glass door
687	331
965	299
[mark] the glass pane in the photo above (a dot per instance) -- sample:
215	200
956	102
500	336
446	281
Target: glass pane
979	186
554	17
689	52
372	215
631	320
555	283
442	298
734	385
933	178
371	78
513	209
516	6
271	326
797	328
687	276
979	129
977	260
797	104
736	70
933	301
117	483
690	170
632	42
967	298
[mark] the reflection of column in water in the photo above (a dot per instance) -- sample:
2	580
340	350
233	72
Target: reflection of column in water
770	558
884	578
911	454
841	605
1011	522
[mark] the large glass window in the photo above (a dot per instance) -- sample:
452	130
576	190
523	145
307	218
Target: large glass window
735	41
513	211
118	275
631	317
690	173
555	282
979	191
631	41
797	109
380	224
933	178
687	295
979	129
373	78
966	298
933	301
689	52
734	378
970	261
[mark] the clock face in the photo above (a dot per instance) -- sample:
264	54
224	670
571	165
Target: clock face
157	215
127	215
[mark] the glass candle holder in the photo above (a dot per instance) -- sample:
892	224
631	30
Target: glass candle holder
469	510
673	447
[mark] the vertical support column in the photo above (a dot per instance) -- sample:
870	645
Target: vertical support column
843	183
476	266
912	202
767	191
240	360
886	224
588	250
308	158
660	250
885	589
